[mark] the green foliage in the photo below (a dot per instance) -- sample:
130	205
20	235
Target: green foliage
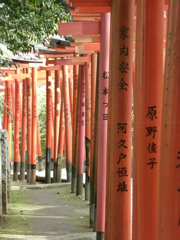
25	23
5	56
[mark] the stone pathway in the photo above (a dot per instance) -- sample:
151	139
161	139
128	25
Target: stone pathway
46	211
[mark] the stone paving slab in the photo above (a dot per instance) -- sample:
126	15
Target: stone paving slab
78	236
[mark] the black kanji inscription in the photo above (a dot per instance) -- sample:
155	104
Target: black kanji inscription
122	172
152	162
124	51
122	85
121	156
124	32
122	127
151	112
122	187
151	131
122	144
123	67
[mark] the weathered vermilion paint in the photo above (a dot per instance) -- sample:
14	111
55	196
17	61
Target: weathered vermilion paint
39	151
78	28
137	125
169	187
52	128
34	125
93	101
102	130
87	127
81	146
67	124
148	117
48	125
29	126
16	130
23	130
9	128
168	60
118	190
4	125
71	98
57	120
74	126
61	133
13	103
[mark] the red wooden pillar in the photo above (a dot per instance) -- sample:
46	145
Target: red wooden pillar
23	131
34	126
169	184
13	103
52	127
118	214
137	124
48	125
9	128
57	120
102	130
148	117
16	130
67	124
39	152
20	108
5	110
95	151
71	98
81	146
167	61
74	126
29	126
61	135
93	100
88	128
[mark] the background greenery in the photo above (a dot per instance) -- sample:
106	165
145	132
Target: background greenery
24	23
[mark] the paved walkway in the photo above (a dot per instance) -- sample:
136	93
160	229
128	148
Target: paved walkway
46	211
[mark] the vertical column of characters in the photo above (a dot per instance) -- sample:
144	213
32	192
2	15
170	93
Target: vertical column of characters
123	87
151	131
120	117
148	116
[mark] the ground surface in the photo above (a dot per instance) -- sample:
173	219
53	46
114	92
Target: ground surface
43	212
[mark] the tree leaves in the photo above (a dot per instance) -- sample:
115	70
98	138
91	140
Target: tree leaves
25	23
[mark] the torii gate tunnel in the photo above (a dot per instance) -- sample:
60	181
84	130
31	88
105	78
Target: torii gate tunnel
112	116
